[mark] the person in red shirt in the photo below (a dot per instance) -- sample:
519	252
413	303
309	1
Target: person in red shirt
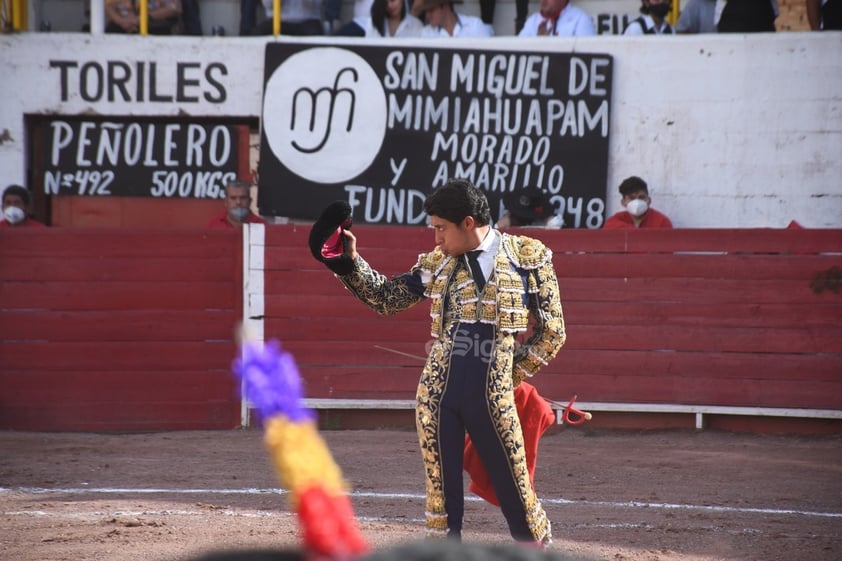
237	207
638	213
16	205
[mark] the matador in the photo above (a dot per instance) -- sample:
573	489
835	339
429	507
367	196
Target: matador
483	285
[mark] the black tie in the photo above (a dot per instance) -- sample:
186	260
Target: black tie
476	270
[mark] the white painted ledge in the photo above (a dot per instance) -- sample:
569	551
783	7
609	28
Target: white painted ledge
698	410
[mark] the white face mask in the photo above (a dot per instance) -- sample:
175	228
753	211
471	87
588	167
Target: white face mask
637	207
238	213
14	215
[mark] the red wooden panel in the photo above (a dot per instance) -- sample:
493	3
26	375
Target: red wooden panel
374	354
581	337
45	387
328	329
338	303
323	382
711	315
746	240
44	269
766	267
118	325
111	356
191	243
731	339
691	290
377	356
122	295
123	417
702	391
129	212
720	365
361	383
607	289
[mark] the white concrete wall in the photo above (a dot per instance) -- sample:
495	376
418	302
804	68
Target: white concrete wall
729	131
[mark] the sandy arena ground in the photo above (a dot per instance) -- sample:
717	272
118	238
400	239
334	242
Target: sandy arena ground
613	496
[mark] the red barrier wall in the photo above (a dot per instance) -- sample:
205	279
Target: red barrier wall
132	329
704	317
118	329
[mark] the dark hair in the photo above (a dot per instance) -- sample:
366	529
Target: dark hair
458	199
21	192
379	15
528	205
633	184
644	9
238	184
426	550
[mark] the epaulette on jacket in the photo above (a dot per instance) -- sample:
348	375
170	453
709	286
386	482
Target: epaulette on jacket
526	253
432	262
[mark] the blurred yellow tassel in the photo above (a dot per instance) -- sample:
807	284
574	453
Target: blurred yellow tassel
301	457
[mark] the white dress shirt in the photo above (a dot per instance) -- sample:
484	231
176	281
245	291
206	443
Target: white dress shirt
571	21
466	26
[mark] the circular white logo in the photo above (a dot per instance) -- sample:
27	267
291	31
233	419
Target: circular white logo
324	114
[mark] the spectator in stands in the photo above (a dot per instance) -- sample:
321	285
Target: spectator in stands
191	20
357	26
17	205
638	213
443	21
123	16
391	18
237	207
558	18
824	15
298	18
653	21
697	16
529	207
746	16
248	16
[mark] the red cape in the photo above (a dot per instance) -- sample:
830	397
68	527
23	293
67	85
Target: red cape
536	416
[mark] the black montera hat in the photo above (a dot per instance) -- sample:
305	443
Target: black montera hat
327	244
529	205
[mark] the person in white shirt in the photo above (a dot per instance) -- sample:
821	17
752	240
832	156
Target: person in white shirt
653	21
558	18
391	18
443	21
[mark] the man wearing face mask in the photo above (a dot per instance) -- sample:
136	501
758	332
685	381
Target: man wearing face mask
237	207
16	203
653	21
638	213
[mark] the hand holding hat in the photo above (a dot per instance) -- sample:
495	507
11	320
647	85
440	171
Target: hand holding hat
327	242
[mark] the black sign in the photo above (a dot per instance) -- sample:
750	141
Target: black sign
383	126
139	157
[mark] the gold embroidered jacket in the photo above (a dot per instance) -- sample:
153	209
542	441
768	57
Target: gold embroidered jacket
523	281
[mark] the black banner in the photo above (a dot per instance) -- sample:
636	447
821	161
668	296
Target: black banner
383	126
137	157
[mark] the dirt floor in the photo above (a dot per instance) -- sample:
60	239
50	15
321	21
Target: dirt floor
614	496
